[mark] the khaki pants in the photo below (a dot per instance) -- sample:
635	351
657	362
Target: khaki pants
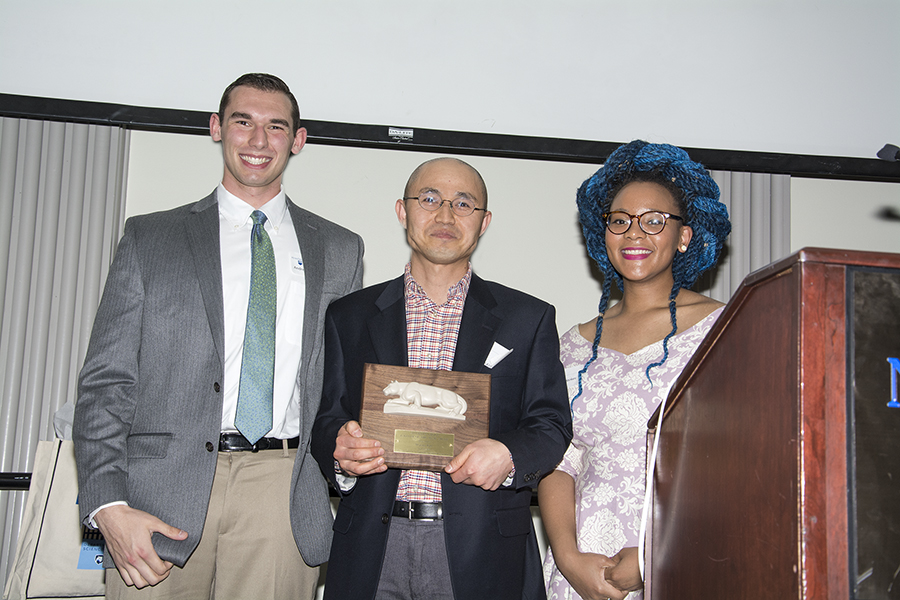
247	549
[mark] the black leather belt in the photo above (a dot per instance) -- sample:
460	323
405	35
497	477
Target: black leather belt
235	442
419	510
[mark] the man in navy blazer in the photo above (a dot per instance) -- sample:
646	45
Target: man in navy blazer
189	507
465	533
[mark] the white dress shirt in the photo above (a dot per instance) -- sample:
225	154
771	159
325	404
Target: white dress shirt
235	226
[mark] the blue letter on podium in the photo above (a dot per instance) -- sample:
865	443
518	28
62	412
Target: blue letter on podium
895	368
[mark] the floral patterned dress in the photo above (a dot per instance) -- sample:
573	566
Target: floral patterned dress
608	451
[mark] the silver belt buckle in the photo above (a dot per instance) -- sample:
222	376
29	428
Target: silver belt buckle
440	513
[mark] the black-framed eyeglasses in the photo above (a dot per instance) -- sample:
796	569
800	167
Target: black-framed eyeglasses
432	201
651	222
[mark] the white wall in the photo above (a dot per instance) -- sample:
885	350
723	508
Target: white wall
797	76
844	214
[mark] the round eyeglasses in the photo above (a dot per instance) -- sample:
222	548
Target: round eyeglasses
651	222
432	201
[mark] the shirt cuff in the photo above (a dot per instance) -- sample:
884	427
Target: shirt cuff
345	482
90	519
512	473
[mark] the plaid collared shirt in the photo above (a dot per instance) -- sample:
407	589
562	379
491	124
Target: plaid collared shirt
431	334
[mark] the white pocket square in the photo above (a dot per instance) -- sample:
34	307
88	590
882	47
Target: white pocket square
496	354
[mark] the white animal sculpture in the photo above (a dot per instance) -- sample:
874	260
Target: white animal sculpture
415	398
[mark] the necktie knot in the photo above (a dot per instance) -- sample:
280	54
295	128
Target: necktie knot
259	221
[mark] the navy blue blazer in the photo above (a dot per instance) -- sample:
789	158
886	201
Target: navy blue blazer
490	538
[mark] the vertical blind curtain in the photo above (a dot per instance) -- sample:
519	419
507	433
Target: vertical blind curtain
759	205
61	214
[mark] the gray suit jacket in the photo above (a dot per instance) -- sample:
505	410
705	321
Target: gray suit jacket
149	409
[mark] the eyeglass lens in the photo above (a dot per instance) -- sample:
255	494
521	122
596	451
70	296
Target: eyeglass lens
651	222
462	206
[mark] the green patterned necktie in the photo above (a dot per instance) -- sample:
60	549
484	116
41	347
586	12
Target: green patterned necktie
254	407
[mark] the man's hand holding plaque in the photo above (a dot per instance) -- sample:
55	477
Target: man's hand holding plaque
357	455
485	463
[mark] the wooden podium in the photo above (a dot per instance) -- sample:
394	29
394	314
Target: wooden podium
766	482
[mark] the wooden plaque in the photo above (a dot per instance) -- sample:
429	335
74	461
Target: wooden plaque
421	441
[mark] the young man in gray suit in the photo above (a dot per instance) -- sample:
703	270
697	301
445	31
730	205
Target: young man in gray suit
191	437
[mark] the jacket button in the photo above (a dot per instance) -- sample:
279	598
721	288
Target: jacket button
210	447
385	519
216	387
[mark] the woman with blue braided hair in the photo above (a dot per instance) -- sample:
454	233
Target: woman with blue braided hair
653	223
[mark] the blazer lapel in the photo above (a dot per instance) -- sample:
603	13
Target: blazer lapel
387	328
478	328
312	251
202	233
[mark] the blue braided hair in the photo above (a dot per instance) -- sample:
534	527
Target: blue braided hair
697	197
